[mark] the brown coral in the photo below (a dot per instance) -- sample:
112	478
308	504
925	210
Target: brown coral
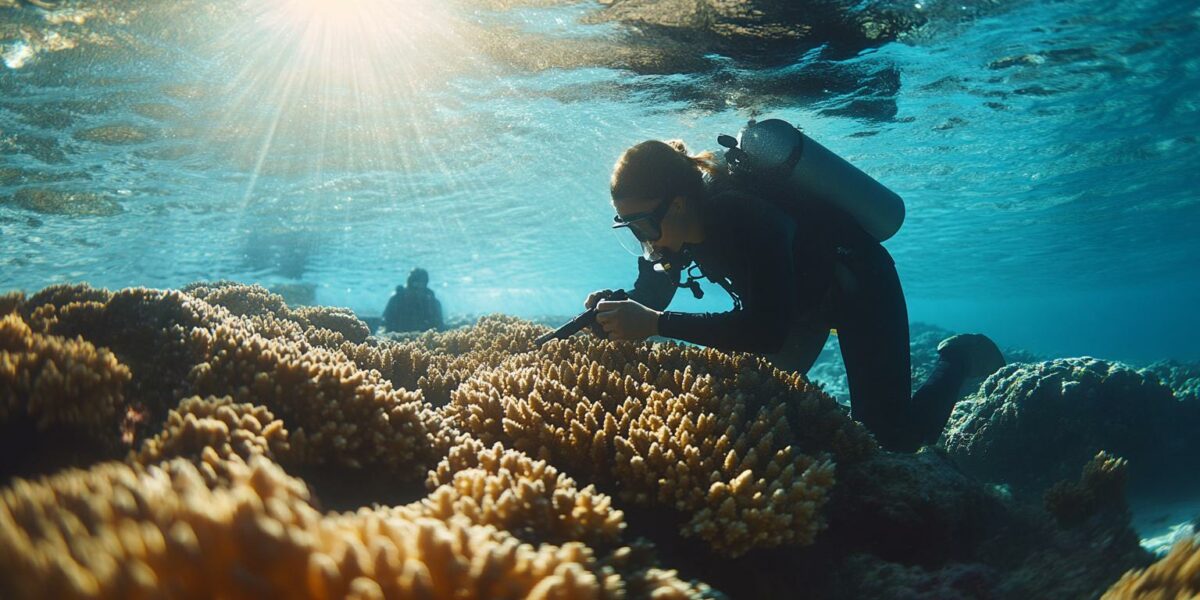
1101	487
740	446
179	345
118	531
338	413
1177	575
341	321
60	383
438	362
214	431
511	491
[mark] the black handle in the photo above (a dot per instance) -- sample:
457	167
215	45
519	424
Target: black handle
584	319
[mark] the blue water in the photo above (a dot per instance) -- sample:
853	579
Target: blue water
1047	152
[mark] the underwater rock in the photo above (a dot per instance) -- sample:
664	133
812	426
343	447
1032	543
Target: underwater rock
115	134
1030	425
752	28
915	526
1177	575
1182	377
830	372
160	111
58	202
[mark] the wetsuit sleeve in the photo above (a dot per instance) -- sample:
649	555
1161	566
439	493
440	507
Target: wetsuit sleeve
653	289
768	297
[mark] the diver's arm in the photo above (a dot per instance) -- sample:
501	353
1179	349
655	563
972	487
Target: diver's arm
768	302
653	289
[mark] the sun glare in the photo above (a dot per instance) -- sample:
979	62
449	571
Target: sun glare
320	86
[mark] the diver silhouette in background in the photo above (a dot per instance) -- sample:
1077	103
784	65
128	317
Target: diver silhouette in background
793	275
413	307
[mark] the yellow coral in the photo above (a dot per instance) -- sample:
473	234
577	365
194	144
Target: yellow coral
742	447
511	491
438	362
1177	575
341	321
180	345
214	431
60	382
117	531
337	413
11	302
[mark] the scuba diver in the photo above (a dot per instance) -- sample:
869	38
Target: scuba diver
795	269
413	308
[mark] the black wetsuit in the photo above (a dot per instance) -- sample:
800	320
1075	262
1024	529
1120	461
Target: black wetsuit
793	277
412	309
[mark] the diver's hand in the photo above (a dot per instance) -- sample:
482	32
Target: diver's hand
595	297
626	319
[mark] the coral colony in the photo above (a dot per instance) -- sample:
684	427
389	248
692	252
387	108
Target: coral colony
194	443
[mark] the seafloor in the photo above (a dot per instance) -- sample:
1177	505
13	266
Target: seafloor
215	442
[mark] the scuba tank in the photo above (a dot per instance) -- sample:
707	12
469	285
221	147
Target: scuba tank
774	150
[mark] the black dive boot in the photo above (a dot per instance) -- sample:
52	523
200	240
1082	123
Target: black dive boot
977	352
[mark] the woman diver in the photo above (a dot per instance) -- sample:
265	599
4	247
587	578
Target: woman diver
794	272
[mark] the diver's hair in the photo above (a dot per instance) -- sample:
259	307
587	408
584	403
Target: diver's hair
654	169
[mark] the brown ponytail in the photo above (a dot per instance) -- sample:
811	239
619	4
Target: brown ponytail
654	169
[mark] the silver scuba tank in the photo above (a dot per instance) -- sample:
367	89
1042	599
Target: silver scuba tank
774	148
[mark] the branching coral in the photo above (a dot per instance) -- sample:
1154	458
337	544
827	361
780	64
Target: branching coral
60	383
11	302
214	431
1028	424
1177	575
438	362
741	447
338	413
268	315
178	345
1101	487
511	491
341	321
121	531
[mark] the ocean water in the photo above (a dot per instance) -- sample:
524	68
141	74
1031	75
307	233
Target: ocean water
1047	153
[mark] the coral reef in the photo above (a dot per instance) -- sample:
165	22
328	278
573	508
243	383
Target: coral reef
337	413
437	362
178	345
56	392
121	531
212	432
1030	425
1177	575
511	491
746	450
1101	487
579	468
